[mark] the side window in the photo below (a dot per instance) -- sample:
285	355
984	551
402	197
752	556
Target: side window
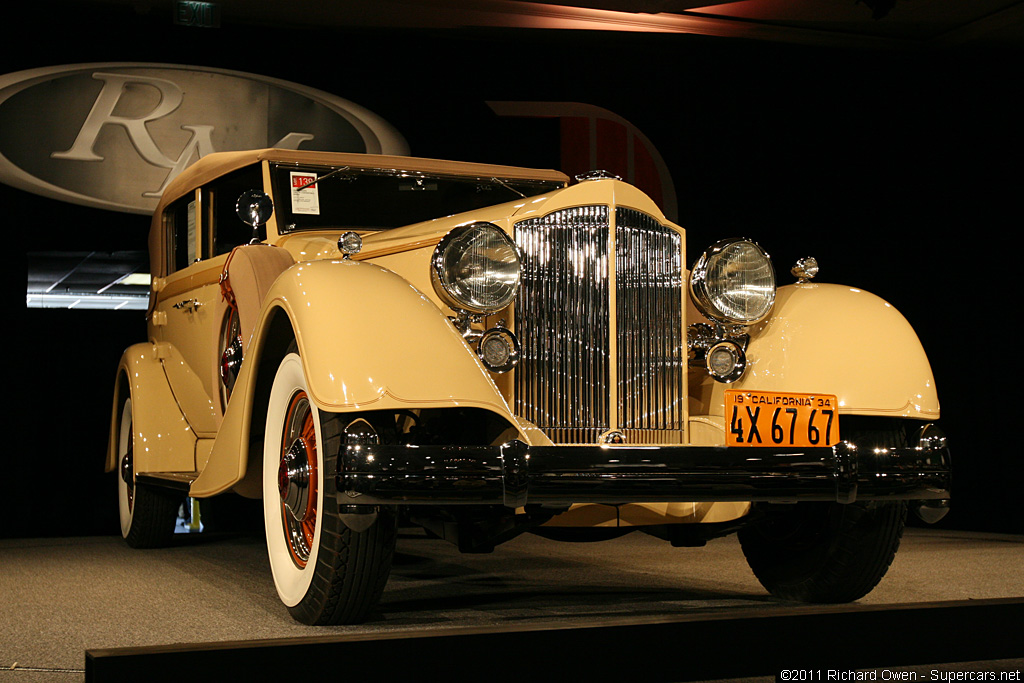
180	220
224	229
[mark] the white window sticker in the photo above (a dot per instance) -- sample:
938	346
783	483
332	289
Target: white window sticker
305	193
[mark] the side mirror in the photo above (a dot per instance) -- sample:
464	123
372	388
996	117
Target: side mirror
254	208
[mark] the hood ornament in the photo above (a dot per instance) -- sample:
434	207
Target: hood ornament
804	269
599	174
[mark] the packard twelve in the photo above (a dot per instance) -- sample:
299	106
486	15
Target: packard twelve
365	341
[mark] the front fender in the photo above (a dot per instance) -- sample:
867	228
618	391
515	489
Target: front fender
163	440
368	341
833	339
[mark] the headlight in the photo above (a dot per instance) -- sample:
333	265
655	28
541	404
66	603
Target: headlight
476	268
733	282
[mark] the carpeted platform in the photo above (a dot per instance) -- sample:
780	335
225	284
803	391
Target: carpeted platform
62	597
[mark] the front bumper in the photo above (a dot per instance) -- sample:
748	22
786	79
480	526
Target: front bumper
515	474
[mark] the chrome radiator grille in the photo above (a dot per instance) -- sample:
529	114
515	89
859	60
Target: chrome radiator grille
563	319
570	374
651	349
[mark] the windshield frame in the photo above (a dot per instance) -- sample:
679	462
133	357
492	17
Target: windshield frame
511	189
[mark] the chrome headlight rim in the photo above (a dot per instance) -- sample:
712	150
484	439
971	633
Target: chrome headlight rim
699	284
449	294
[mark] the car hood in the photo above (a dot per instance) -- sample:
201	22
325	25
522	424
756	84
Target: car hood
323	244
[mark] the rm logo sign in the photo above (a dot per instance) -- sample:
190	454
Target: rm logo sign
113	136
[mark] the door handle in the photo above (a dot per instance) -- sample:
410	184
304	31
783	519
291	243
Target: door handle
189	305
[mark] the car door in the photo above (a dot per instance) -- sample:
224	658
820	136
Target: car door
197	319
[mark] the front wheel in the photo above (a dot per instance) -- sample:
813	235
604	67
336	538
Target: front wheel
325	572
828	552
823	552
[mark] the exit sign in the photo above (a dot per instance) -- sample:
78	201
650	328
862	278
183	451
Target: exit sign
201	14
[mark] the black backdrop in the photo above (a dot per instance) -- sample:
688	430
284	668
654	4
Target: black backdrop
893	168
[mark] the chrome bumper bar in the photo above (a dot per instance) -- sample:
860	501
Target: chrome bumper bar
515	474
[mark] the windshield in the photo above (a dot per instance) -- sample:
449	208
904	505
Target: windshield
320	198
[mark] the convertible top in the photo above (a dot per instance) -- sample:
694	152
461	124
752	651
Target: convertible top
213	166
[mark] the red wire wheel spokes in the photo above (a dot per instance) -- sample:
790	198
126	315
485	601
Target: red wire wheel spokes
297	478
324	571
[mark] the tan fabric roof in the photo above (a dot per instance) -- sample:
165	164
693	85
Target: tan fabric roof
215	165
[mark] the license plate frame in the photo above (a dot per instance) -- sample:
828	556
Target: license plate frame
780	419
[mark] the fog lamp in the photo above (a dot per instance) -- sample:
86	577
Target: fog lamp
498	349
726	361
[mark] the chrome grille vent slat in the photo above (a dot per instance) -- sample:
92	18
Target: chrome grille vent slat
563	318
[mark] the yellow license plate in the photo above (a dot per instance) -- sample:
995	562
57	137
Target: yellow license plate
772	418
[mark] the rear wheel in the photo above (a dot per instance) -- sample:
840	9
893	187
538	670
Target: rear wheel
827	552
325	572
147	513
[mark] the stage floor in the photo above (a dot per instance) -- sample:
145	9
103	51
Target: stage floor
63	596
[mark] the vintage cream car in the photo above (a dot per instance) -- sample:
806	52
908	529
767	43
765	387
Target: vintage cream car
367	341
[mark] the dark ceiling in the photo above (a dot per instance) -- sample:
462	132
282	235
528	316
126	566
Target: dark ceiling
881	23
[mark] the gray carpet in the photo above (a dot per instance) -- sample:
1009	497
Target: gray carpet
60	597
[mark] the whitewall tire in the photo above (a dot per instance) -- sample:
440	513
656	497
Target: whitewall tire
325	572
147	513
